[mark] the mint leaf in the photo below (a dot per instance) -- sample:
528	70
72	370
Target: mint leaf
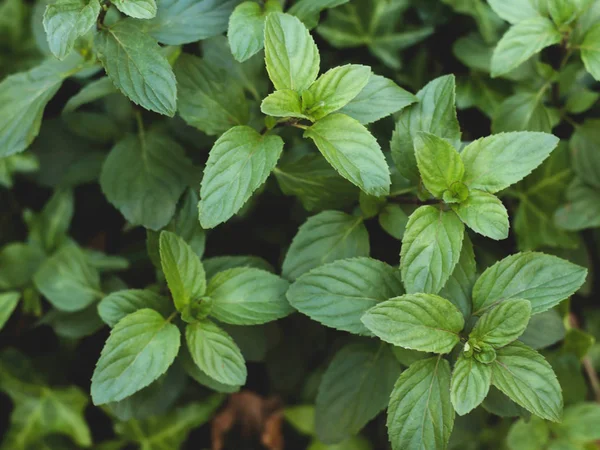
183	270
352	151
334	89
94	90
471	382
139	9
122	370
430	249
339	293
393	220
217	264
186	225
543	330
521	42
308	10
582	209
422	391
239	162
580	422
48	229
503	324
209	99
283	103
18	264
356	386
434	113
291	56
524	111
248	296
324	238
584	144
484	213
136	66
526	377
495	162
144	176
67	280
544	280
590	51
246	28
531	435
119	304
439	163
515	11
423	322
66	20
8	303
378	99
460	284
215	353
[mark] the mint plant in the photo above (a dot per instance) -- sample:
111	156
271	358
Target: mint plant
303	224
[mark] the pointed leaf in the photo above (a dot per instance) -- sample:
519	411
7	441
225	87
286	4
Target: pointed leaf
503	324
484	213
471	382
439	163
119	304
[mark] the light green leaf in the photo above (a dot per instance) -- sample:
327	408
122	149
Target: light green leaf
580	422
495	162
531	435
521	42
183	270
484	213
324	238
8	303
291	56
353	152
339	293
526	377
139	9
122	370
378	99
119	304
248	296
209	98
202	378
503	324
423	322
522	112
515	11
393	220
246	28
544	280
439	163
434	113
355	387
18	264
471	382
67	280
283	103
66	20
239	163
430	249
590	51
144	176
302	418
23	98
217	264
460	284
137	67
334	89
543	330
215	353
420	414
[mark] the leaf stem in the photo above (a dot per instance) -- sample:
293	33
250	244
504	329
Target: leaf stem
405	200
587	364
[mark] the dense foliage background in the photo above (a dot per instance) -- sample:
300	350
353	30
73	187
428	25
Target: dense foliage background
94	166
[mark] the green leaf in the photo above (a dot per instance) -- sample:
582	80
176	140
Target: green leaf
284	103
23	98
521	42
94	90
291	56
531	435
66	20
495	162
246	28
544	280
355	388
239	163
580	422
484	213
584	144
378	99
215	353
522	112
248	296
122	370
49	228
217	264
139	9
420	415
335	89
209	98
434	113
353	152
202	378
119	304
185	21
590	51
324	238
582	209
144	176
186	225
430	249
515	11
526	377
67	280
8	303
136	66
393	220
423	322
439	163
308	10
503	324
460	284
339	293
499	404
471	382
183	270
543	330
18	264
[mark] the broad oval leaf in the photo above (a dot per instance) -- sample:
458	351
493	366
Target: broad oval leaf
119	304
439	163
139	9
283	103
504	323
470	385
484	213
246	30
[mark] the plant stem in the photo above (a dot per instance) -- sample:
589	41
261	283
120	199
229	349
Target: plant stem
405	200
